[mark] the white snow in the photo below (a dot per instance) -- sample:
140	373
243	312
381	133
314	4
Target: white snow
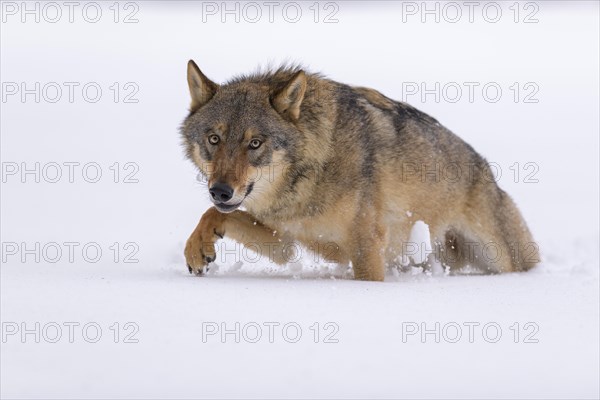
250	328
420	238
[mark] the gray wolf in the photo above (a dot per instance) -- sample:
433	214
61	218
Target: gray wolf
315	162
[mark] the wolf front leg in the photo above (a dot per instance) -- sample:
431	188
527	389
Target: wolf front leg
368	257
239	226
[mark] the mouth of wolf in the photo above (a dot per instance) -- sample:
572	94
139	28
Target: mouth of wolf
230	207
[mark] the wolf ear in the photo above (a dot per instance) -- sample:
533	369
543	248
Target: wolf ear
202	89
288	100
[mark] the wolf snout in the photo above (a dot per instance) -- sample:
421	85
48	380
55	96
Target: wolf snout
221	192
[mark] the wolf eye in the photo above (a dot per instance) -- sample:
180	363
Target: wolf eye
255	144
214	139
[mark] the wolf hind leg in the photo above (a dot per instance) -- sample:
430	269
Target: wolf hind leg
524	251
450	248
493	239
507	244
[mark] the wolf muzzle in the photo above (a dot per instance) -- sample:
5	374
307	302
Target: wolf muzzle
221	193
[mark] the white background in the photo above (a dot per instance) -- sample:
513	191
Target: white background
377	45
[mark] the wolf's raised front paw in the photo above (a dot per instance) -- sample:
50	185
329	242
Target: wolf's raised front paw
200	247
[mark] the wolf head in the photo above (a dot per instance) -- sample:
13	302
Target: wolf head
243	134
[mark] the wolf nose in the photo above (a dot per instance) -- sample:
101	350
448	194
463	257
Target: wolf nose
221	192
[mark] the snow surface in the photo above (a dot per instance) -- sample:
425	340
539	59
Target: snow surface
369	340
